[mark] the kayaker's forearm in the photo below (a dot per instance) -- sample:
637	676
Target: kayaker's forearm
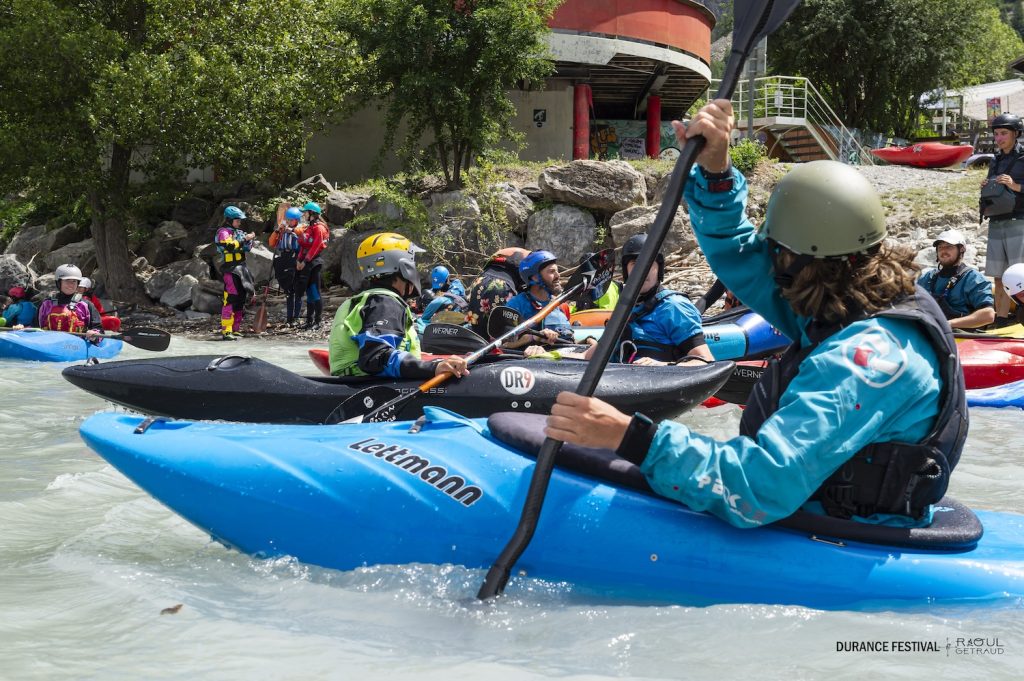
723	231
978	318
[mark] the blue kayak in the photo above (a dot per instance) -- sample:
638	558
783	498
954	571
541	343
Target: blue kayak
349	496
742	336
1007	395
54	346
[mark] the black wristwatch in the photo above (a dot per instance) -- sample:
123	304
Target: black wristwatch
638	438
718	182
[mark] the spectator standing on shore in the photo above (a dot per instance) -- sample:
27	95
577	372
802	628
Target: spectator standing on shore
1006	219
309	265
233	244
285	242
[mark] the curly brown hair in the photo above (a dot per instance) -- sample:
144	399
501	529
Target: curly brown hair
832	289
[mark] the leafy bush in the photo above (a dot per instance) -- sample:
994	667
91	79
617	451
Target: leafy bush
747	154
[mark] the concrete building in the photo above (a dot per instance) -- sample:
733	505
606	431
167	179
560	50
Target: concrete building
623	70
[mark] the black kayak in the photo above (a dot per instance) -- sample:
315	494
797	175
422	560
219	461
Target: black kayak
238	388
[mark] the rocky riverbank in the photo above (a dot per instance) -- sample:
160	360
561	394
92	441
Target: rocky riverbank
569	209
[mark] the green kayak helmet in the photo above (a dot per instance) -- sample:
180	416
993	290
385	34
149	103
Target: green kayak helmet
825	209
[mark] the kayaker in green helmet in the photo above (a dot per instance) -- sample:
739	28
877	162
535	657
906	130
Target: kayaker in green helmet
865	415
374	331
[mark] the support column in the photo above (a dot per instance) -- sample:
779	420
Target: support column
653	126
581	122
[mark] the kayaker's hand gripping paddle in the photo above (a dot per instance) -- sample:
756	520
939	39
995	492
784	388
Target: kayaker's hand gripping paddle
363	407
753	19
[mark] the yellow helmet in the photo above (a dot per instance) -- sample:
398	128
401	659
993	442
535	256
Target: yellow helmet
389	253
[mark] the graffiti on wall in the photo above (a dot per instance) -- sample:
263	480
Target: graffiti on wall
611	139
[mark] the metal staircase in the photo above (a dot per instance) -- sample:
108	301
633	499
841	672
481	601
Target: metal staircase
796	122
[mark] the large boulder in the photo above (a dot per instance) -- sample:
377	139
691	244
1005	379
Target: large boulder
566	231
81	253
164	245
378	215
348	270
626	223
13	273
208	296
160	281
40	241
192	210
179	296
606	186
518	207
454	205
341	207
260	262
317	184
333	254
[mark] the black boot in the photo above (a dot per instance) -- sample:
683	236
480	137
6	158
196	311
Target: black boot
318	312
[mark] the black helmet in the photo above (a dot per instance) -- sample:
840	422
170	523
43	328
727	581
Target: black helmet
1009	121
630	251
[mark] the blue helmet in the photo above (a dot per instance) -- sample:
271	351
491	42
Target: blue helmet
315	207
532	264
234	213
293	214
439	277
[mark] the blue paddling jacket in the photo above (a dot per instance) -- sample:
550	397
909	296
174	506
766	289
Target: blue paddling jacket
874	381
962	291
22	312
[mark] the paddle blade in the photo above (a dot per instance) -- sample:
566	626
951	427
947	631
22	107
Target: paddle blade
259	324
501	320
282	208
450	339
754	19
145	337
353	409
595	271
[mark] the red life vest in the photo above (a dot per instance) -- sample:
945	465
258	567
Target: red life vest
63	317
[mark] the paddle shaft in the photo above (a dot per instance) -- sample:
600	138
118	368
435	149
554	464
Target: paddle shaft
498	575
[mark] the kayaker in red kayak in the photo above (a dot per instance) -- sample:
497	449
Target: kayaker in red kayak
1005	227
963	293
865	415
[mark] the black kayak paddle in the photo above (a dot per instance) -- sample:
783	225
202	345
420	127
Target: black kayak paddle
145	337
752	19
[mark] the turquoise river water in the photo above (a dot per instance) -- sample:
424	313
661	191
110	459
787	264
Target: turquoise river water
88	563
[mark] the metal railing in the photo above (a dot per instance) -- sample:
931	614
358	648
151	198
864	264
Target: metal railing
790	101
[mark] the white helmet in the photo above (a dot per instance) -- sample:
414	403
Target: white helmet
67	272
85	283
953	237
1013	279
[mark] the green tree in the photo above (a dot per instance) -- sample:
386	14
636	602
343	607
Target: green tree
873	59
441	69
104	102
